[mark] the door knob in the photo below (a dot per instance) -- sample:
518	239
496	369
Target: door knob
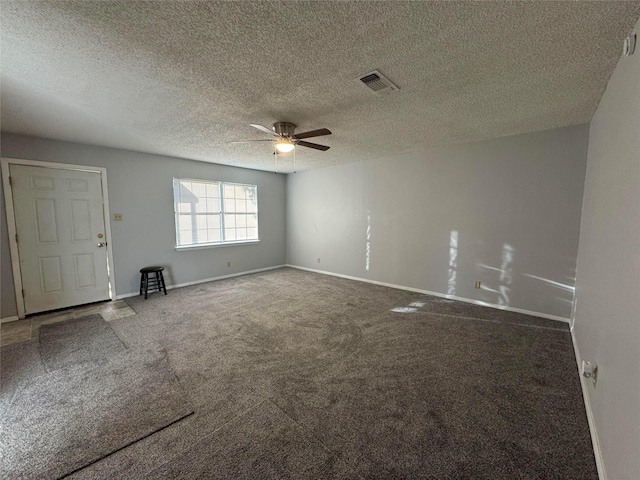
101	244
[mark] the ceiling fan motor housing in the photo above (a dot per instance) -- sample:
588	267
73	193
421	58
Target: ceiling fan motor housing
284	128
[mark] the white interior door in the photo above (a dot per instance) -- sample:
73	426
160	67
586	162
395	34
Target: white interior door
61	236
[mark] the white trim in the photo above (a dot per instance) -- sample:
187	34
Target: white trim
11	228
602	475
11	220
184	248
9	319
107	232
177	197
205	280
436	294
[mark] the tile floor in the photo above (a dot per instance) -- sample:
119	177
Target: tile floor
26	329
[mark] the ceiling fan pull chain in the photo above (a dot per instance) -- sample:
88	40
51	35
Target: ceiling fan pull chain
294	160
275	156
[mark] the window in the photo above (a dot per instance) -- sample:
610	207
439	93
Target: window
214	213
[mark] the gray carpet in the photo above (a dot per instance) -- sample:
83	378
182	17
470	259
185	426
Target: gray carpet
77	341
261	443
293	374
19	363
62	421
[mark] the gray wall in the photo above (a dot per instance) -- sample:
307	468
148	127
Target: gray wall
607	316
140	187
514	202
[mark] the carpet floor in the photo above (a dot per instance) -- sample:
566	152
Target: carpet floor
298	375
77	341
63	421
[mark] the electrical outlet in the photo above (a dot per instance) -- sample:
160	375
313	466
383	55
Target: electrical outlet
318	259
477	285
590	370
117	217
228	264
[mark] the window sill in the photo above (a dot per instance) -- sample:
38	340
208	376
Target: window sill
216	245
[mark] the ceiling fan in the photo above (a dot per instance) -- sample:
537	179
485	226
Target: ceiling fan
286	138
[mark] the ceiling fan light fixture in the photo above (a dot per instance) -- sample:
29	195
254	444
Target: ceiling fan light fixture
284	145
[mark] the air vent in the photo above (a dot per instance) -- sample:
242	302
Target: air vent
378	82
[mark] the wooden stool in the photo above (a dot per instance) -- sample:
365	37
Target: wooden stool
152	283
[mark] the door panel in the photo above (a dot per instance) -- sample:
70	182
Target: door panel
50	274
46	220
80	220
60	225
85	272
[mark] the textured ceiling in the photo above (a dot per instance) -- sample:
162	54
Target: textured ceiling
186	78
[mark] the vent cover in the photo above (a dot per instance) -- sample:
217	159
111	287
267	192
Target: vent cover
378	82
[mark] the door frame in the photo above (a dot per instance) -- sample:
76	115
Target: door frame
11	221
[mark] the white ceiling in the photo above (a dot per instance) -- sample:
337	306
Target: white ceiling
185	78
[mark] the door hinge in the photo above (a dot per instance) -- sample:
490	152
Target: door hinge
16	238
11	181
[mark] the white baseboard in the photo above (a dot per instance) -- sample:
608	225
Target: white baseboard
436	294
602	475
9	319
205	280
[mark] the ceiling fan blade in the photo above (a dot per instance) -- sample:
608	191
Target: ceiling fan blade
247	141
324	148
263	129
312	133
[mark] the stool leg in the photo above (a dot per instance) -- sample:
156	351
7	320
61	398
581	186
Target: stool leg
154	283
163	286
146	285
141	282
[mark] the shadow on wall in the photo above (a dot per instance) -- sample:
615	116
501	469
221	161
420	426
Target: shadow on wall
497	282
501	281
497	290
565	290
453	262
367	255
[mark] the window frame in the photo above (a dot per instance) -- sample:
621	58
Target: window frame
220	185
